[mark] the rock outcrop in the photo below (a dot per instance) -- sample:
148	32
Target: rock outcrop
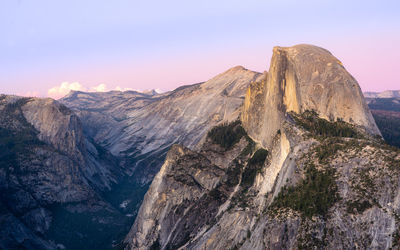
140	128
63	175
309	191
47	165
306	170
303	77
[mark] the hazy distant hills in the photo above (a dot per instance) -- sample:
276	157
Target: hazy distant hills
384	94
386	110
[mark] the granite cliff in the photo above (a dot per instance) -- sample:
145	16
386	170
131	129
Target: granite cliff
305	167
140	128
48	168
303	77
74	176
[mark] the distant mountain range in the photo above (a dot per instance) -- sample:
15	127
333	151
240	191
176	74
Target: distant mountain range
384	94
386	112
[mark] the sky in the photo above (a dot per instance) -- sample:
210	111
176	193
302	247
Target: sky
49	47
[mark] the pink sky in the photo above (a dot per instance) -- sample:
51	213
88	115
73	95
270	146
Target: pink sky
373	63
136	46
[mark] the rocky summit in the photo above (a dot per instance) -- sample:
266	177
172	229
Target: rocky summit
300	78
304	168
140	128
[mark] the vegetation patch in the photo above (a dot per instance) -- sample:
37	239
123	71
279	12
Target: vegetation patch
389	104
249	148
396	236
247	173
254	166
156	245
358	206
232	173
316	193
389	126
227	135
96	229
330	146
309	238
319	127
258	157
327	150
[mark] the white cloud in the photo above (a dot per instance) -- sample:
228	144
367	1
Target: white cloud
118	88
99	88
65	87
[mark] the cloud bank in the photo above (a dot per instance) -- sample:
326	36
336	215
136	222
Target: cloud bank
99	88
64	88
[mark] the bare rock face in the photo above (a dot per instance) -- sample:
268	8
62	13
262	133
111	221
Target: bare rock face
54	121
304	77
62	129
307	192
140	128
50	172
308	174
185	196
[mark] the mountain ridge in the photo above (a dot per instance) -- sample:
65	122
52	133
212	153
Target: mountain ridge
383	94
250	142
89	193
262	191
140	127
303	77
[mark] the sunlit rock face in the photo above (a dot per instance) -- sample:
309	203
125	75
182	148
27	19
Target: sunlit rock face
294	179
303	77
140	128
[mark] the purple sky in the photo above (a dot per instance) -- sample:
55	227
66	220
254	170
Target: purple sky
49	47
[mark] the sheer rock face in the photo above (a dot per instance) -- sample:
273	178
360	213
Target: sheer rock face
46	162
218	199
195	202
304	77
141	128
184	196
56	124
59	127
